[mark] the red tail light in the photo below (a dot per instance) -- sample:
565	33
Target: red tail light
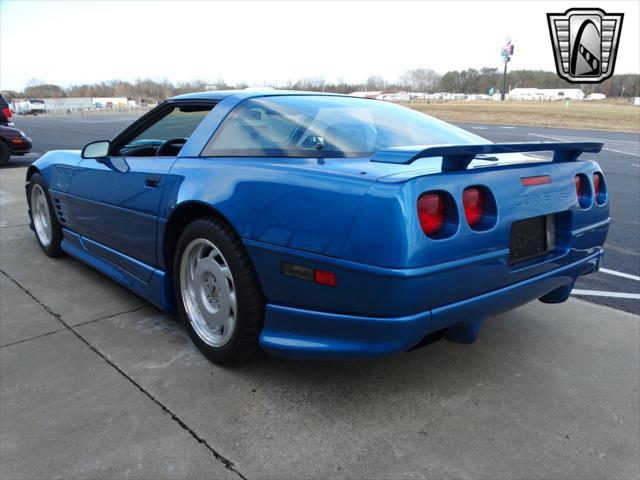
473	202
431	213
596	184
583	191
599	188
580	187
6	112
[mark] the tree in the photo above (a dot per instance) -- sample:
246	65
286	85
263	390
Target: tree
45	91
375	83
420	80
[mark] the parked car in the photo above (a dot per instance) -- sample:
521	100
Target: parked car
5	112
31	106
12	142
312	225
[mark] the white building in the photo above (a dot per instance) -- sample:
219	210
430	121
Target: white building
394	96
366	94
546	94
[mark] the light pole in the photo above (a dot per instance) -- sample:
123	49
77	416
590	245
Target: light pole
506	53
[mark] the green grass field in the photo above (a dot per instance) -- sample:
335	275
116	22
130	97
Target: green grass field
608	115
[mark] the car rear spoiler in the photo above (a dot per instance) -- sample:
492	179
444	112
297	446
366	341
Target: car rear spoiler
458	157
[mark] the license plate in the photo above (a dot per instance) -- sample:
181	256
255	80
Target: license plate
528	239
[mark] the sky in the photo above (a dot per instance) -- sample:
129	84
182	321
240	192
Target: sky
75	42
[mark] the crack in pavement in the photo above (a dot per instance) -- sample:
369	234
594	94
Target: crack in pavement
228	464
112	315
31	338
106	317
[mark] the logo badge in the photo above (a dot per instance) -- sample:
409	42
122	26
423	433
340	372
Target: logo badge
585	43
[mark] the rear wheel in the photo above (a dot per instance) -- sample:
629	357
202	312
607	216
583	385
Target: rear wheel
217	291
5	153
45	224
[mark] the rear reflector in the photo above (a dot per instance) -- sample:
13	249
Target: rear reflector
473	202
325	278
431	213
321	277
539	180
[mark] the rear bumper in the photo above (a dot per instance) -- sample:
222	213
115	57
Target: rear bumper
302	333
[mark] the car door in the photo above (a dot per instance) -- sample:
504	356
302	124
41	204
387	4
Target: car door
114	202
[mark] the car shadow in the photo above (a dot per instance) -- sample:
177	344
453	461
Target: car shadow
18	162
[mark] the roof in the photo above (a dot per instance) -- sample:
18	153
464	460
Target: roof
248	93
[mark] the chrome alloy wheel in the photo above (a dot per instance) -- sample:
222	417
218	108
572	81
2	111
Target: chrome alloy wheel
208	292
40	215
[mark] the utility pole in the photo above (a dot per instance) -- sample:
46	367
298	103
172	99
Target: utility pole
506	53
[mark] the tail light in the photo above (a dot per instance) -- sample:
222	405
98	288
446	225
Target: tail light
599	189
582	191
6	112
473	202
431	212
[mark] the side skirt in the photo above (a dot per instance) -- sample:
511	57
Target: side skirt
154	284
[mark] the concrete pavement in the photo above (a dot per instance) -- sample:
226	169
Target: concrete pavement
95	383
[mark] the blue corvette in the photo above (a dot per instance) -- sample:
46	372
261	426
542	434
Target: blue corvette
321	226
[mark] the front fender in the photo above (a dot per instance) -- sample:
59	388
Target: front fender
57	168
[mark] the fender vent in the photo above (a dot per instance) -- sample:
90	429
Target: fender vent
60	207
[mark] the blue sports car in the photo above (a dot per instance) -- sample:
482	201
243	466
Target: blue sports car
321	226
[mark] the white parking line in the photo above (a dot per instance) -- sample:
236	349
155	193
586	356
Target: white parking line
620	274
479	128
597	293
620	151
587	138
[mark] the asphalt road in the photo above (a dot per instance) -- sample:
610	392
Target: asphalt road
96	383
620	162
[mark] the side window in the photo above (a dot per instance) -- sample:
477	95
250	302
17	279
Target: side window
294	126
253	128
166	135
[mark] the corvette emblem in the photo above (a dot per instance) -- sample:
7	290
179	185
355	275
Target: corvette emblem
585	43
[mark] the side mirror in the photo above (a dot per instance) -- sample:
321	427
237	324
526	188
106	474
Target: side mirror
99	149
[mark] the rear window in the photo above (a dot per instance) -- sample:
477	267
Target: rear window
326	126
3	102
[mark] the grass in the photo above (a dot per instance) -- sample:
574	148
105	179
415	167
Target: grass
607	115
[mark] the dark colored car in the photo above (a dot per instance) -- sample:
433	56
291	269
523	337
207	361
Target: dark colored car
12	142
5	111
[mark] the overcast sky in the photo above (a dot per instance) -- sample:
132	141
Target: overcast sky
77	42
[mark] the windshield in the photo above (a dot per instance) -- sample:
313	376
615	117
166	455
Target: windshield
326	126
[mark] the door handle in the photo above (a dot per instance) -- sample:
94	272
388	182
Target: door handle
152	181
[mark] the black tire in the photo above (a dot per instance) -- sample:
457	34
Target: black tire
243	344
5	153
53	249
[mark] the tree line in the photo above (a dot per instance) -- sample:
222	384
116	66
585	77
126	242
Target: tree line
416	80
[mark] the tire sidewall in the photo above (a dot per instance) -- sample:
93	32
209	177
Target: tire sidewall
53	249
245	286
5	153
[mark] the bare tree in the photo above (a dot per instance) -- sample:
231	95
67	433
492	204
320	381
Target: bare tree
375	83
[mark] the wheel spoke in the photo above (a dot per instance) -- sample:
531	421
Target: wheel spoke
208	292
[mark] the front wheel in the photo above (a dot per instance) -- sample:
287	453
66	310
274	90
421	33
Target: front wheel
217	291
45	224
